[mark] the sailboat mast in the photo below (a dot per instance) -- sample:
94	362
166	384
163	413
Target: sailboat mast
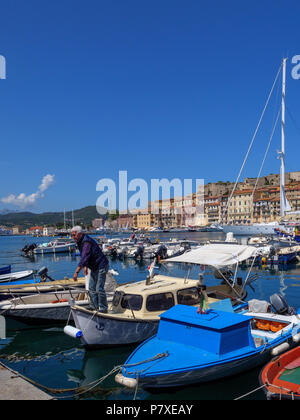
282	154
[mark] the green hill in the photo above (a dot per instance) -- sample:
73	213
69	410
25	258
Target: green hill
27	219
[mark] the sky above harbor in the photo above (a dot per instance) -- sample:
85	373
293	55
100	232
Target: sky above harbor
160	89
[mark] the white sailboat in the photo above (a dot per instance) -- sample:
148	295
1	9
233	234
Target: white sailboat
269	228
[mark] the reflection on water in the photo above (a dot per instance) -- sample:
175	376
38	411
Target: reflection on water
55	360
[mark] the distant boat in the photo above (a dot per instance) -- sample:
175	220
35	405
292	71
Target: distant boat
55	247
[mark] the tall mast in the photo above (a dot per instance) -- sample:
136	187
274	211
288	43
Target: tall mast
284	204
282	154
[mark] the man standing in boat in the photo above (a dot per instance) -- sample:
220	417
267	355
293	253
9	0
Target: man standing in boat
92	258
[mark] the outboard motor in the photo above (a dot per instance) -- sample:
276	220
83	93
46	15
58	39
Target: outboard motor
281	306
272	251
43	273
28	249
139	252
162	252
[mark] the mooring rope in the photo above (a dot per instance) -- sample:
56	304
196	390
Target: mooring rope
87	388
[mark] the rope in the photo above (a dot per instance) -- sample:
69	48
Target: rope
249	393
86	389
78	390
266	154
280	388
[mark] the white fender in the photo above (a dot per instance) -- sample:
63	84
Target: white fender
128	382
280	349
72	332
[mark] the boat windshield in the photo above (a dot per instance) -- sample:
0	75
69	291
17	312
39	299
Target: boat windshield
133	302
160	302
188	296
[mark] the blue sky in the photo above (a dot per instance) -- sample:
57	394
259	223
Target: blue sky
162	89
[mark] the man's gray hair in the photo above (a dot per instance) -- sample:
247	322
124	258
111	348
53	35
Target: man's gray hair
77	229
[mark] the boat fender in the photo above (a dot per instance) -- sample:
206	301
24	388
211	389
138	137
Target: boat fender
280	349
72	332
128	382
296	338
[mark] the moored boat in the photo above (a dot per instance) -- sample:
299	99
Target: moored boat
281	376
193	347
136	307
55	247
17	276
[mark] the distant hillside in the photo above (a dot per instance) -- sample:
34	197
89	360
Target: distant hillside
28	219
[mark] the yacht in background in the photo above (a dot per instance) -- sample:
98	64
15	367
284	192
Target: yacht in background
269	228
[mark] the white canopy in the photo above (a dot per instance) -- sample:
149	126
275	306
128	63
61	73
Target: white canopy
216	255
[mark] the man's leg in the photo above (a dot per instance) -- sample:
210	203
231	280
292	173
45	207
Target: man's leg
92	289
102	300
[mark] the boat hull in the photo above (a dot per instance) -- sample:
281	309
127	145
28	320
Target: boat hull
107	331
42	314
12	278
202	375
198	375
280	377
54	249
249	230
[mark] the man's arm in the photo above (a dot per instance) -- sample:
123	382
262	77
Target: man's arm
85	255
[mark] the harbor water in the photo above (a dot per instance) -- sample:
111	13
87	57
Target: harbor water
50	358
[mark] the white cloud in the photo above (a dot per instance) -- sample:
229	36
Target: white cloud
22	200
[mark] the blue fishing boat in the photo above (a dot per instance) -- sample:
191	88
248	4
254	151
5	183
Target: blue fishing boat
5	270
193	347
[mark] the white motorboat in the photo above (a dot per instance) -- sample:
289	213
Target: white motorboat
13	277
55	247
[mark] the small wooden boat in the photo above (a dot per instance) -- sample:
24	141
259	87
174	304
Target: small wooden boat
281	376
43	308
20	289
53	306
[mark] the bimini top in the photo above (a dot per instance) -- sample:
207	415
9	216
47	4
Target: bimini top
216	255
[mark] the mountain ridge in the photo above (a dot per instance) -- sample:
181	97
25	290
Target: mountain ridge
28	219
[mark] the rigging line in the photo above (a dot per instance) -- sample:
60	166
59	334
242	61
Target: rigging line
266	154
253	138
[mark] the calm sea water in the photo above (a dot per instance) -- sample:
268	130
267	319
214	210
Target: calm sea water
49	357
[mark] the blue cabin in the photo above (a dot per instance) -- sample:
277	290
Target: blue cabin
216	332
